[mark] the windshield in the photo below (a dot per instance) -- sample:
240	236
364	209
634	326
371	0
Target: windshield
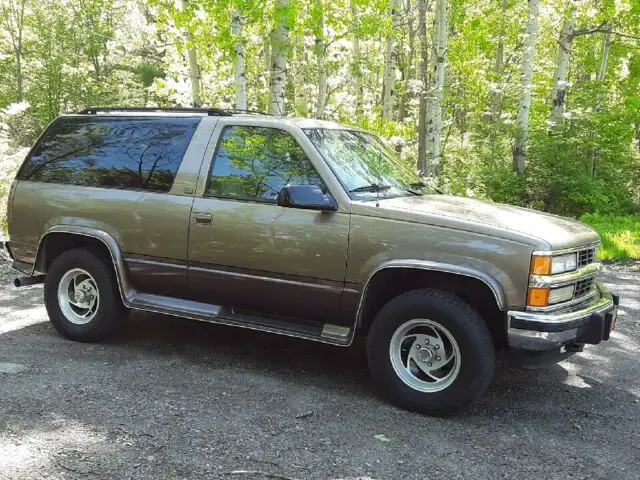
363	164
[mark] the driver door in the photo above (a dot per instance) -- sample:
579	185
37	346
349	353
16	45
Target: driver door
247	252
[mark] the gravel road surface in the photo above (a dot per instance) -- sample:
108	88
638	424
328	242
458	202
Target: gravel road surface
172	398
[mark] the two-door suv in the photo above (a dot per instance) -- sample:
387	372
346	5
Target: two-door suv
300	227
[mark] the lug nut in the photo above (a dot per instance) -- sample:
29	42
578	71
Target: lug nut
429	364
437	347
438	358
418	347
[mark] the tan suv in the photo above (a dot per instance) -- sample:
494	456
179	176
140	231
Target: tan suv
300	227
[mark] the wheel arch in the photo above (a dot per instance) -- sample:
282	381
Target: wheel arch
392	278
71	236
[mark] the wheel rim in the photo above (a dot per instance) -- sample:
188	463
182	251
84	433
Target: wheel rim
78	296
425	355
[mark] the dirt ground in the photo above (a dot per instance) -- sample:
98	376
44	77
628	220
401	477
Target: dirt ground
173	398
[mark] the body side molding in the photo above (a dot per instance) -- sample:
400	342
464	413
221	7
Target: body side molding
432	266
327	333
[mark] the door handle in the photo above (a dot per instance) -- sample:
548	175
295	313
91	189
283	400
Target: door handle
202	218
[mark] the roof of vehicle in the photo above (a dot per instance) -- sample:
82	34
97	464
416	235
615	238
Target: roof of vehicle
218	112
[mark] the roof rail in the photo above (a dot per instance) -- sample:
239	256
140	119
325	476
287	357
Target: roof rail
212	112
254	112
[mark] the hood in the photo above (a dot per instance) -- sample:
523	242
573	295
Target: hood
542	230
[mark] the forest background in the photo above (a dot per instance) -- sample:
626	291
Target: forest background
534	103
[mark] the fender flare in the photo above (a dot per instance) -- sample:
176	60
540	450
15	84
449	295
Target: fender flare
432	266
124	285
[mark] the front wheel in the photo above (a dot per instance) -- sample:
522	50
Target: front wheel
82	297
430	352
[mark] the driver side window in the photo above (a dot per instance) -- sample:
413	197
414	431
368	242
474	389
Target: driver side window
254	163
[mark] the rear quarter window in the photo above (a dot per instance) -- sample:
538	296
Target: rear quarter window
131	153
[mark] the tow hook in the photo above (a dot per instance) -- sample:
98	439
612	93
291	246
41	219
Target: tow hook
26	281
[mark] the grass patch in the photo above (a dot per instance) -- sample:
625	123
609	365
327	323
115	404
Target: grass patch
620	235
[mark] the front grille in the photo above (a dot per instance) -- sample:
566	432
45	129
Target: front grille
586	256
583	287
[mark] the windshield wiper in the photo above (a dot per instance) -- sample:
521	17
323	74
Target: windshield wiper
412	189
424	185
374	187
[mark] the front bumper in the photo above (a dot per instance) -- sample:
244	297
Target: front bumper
538	332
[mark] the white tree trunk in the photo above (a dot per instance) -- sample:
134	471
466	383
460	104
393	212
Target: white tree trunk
407	64
357	59
560	78
524	106
279	47
424	84
434	104
496	95
604	60
600	75
194	68
320	49
238	64
194	75
390	60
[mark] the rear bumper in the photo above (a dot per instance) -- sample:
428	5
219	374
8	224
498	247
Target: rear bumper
545	332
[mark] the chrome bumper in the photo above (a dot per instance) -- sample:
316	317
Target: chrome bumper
537	331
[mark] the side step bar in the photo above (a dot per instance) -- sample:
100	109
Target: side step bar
292	327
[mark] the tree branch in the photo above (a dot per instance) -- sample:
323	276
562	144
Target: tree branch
624	35
588	31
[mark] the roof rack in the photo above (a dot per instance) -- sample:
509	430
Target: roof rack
212	112
253	112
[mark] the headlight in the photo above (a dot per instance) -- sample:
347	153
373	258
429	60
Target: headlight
550	265
563	263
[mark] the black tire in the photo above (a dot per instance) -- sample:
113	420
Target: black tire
110	313
477	355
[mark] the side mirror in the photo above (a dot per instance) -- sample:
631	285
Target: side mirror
309	197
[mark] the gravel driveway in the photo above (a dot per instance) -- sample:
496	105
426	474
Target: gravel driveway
172	398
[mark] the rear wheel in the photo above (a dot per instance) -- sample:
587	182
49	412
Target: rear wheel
82	297
430	352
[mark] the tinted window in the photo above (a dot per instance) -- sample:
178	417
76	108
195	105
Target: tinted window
139	153
256	162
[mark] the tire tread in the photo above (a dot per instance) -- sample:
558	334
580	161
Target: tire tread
438	403
112	311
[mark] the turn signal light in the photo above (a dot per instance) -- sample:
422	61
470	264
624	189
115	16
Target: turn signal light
538	297
540	265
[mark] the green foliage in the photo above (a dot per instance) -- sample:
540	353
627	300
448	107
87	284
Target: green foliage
147	73
79	53
586	167
620	236
22	128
